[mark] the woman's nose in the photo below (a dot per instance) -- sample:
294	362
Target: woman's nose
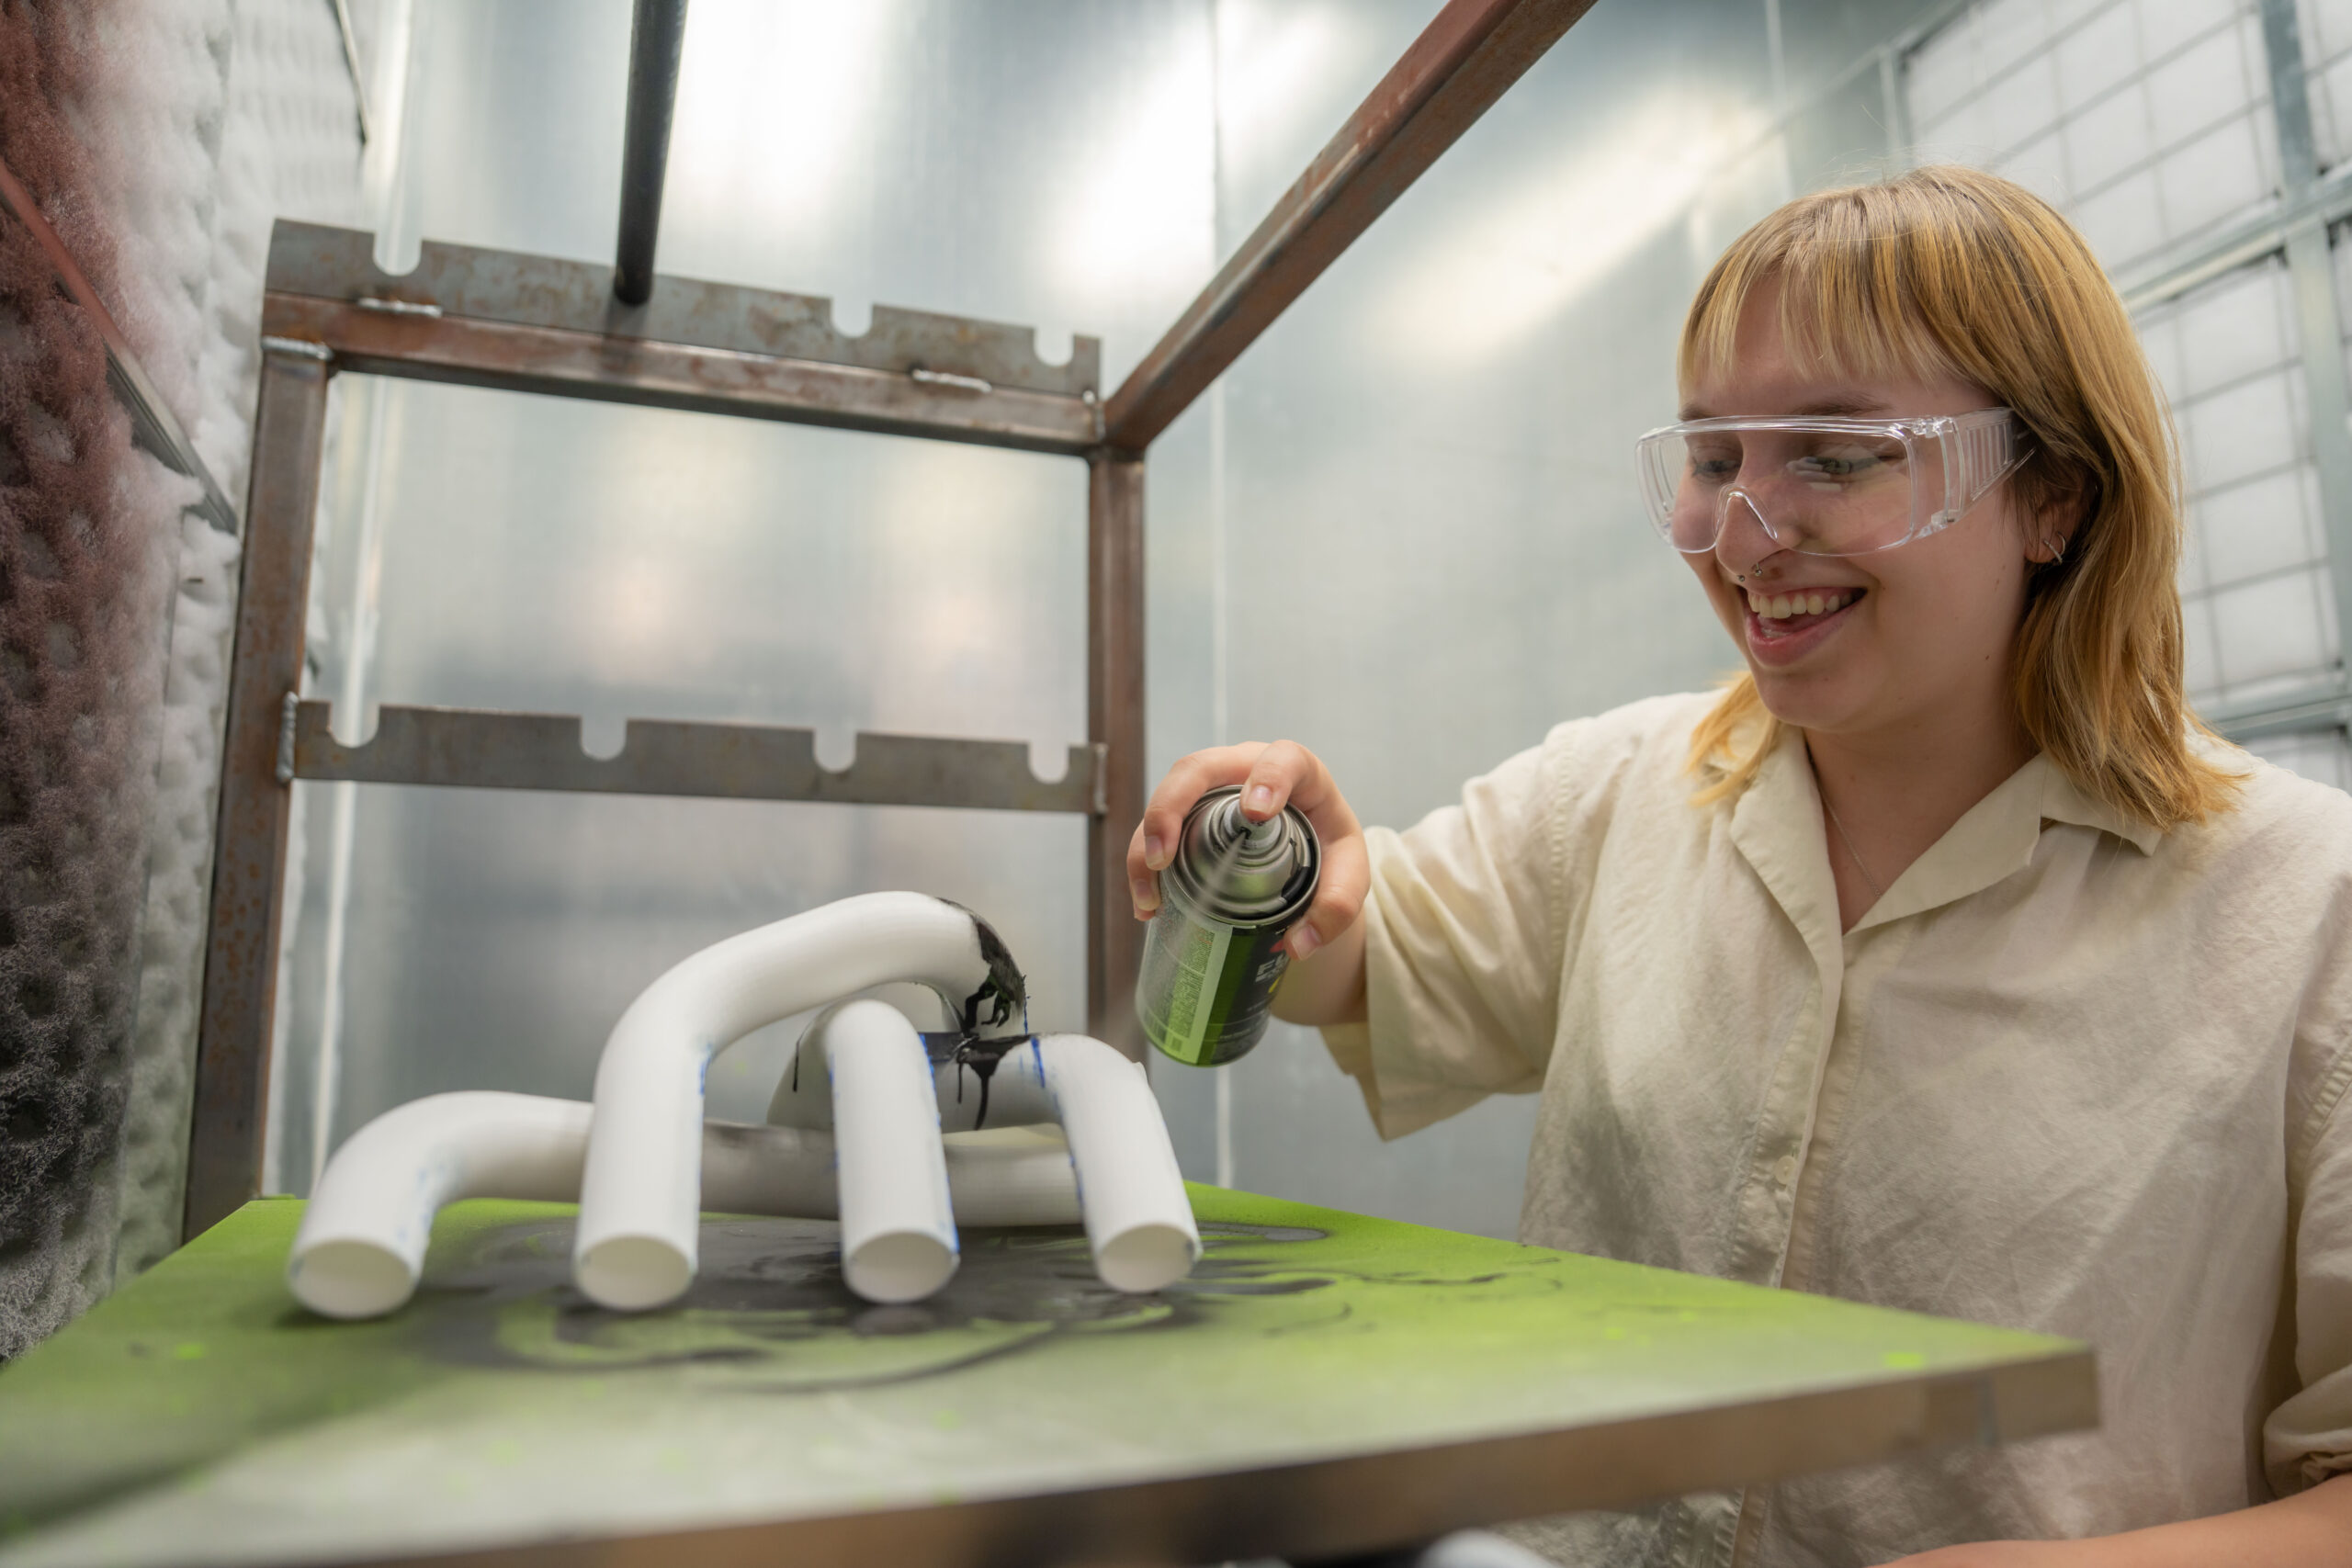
1743	541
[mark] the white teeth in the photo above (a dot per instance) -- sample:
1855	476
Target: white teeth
1780	606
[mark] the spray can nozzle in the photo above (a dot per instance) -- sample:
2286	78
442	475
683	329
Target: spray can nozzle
1257	837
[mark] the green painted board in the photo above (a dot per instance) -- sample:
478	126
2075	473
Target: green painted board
1323	1381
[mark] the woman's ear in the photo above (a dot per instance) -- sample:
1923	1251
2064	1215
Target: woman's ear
2050	529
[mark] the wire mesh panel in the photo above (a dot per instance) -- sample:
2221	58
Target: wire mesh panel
2151	124
2146	122
2253	584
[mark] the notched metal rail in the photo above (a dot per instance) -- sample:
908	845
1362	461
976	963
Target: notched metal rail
402	338
481	748
539	323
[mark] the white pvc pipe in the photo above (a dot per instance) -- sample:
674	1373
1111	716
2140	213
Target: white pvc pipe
1138	1218
897	1225
362	1242
640	1193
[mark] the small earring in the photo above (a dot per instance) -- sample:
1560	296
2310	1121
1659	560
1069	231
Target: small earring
2057	549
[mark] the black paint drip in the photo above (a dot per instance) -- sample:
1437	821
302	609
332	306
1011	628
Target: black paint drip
964	1050
1004	994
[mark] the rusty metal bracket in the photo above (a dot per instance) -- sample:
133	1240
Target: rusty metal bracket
1468	57
543	325
512	288
479	748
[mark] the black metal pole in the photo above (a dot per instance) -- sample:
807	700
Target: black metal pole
657	37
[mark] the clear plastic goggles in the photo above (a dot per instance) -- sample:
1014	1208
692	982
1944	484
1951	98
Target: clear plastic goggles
1826	487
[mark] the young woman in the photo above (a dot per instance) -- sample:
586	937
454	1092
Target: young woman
1942	961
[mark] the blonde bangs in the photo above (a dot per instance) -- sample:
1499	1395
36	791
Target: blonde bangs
1844	310
1949	272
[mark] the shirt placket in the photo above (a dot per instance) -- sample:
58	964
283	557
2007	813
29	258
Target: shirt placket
1778	828
1869	954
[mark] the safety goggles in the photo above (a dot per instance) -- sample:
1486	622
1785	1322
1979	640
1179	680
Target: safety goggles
1826	487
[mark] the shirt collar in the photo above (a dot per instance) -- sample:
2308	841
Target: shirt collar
2061	802
1778	825
1996	837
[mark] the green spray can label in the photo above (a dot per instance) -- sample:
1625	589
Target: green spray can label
1231	892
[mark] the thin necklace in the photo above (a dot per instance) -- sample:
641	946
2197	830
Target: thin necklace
1851	852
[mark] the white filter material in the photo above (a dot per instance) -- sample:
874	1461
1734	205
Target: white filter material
140	87
211	118
179	873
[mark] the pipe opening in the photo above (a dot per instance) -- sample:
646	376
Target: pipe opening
351	1278
898	1267
1145	1258
629	1273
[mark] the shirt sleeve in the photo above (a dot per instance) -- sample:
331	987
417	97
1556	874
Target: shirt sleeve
2309	1438
1462	946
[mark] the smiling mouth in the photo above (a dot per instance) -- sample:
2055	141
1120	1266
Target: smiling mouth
1776	616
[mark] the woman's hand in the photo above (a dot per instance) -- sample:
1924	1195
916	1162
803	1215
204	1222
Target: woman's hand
1272	776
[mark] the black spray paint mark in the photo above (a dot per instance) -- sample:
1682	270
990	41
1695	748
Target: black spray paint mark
769	1312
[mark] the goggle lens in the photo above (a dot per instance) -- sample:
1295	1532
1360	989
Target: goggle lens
1829	487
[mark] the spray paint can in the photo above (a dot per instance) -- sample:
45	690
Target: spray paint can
1232	889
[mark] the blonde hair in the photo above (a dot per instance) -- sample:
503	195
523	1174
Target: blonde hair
1951	272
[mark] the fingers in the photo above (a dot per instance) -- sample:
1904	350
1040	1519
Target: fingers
1339	896
1154	843
1280	772
1270	776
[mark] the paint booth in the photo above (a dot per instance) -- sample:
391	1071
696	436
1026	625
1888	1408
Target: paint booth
1396	520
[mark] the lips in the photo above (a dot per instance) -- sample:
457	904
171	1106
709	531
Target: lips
1784	626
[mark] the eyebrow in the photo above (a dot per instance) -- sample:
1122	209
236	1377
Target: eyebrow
1824	408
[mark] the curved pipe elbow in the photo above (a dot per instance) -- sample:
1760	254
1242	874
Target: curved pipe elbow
640	1195
361	1247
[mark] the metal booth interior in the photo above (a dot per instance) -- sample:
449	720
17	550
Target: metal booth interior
666	672
1397	528
512	322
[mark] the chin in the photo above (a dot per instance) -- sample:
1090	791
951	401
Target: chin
1810	703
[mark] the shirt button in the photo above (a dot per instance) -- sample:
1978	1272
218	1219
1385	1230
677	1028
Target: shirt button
1784	1170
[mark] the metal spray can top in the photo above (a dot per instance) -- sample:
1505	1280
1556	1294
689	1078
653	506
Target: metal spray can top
1243	873
1232	890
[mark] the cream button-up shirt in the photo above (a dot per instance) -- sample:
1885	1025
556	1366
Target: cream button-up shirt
2069	1073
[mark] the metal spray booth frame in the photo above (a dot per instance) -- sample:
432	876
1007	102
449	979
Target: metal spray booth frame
527	323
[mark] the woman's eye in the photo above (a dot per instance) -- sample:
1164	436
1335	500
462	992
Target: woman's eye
1844	464
1713	465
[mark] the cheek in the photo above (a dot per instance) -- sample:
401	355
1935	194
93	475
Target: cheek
1729	605
1956	605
